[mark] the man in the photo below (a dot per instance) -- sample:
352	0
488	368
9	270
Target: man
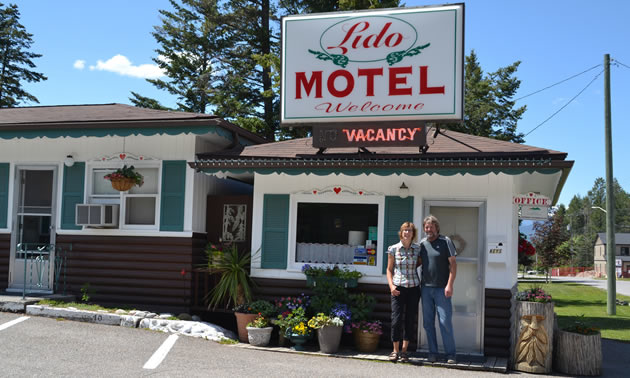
438	276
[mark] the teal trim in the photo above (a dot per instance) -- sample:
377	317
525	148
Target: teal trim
4	194
275	237
72	194
386	172
397	211
120	131
173	195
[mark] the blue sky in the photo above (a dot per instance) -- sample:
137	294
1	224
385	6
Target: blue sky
99	51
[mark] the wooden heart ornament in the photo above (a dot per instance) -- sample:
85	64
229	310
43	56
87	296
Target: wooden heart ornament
337	190
122	156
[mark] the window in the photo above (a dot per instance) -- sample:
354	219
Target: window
138	206
336	233
625	251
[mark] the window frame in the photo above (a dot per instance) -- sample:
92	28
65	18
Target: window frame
122	196
379	200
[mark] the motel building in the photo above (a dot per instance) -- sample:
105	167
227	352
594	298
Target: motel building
374	87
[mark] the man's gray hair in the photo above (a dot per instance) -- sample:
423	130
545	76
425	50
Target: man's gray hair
434	220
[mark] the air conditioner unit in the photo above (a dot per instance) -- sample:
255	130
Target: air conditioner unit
96	215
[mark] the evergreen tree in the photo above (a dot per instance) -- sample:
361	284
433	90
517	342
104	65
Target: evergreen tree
488	106
16	61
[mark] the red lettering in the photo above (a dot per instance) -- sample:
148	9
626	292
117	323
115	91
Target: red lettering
395	79
390	38
424	89
350	134
316	80
380	135
369	135
330	83
348	35
391	134
369	73
400	136
360	136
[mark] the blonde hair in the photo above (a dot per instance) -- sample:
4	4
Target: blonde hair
409	225
433	220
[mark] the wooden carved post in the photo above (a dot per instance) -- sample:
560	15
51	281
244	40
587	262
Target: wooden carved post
533	335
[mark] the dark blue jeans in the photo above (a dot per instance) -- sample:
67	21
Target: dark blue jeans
405	304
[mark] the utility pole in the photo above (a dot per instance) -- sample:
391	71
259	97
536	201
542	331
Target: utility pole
611	246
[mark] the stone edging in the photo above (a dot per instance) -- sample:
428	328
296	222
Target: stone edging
136	319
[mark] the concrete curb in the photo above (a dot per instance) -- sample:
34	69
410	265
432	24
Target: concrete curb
74	314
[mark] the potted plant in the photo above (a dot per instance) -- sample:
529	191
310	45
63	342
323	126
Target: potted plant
259	331
329	330
247	312
297	329
578	349
331	275
366	334
125	178
533	331
284	306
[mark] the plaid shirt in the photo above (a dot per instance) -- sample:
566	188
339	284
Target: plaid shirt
405	264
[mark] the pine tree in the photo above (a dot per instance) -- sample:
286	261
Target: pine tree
16	61
488	106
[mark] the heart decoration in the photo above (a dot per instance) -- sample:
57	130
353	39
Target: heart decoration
141	157
122	156
103	159
314	191
360	192
337	190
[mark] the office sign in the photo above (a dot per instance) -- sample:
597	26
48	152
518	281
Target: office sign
377	66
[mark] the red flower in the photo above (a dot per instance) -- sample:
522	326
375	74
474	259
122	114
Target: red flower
183	272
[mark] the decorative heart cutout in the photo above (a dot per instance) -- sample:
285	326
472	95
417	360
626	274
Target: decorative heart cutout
314	191
360	192
122	156
337	190
103	159
141	157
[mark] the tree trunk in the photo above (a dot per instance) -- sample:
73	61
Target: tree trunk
577	354
532	337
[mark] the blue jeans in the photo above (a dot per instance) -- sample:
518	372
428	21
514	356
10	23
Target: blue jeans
433	299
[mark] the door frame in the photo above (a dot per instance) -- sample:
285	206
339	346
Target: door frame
14	229
481	261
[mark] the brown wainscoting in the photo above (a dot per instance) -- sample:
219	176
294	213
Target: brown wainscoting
497	322
5	251
142	272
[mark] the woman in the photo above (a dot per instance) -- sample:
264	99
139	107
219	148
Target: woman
404	284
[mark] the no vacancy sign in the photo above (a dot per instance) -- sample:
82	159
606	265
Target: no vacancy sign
402	64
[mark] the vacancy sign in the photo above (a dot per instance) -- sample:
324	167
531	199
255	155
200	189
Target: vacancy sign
385	65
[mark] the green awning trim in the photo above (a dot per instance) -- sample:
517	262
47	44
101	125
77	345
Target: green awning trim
121	132
385	171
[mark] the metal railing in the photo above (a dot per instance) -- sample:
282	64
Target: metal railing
37	262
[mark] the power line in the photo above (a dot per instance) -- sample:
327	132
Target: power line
560	82
565	105
619	63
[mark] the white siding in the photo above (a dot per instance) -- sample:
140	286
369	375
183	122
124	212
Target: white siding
496	190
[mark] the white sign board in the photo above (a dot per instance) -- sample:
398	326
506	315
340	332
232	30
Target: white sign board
531	199
534	212
617	262
381	65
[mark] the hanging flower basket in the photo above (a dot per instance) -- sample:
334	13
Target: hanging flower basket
125	178
123	184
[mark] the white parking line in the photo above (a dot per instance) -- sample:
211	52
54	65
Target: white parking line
161	353
13	322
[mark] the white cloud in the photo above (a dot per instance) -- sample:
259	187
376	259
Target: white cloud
79	64
123	66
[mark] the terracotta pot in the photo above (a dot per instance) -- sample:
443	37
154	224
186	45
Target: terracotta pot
241	324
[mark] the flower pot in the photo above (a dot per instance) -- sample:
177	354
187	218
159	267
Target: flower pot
365	342
577	354
329	338
123	184
259	336
242	320
297	340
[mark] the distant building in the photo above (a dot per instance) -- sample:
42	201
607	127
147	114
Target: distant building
622	254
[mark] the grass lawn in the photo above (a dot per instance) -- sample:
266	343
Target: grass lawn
571	300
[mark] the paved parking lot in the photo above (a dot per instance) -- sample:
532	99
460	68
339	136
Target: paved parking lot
36	346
